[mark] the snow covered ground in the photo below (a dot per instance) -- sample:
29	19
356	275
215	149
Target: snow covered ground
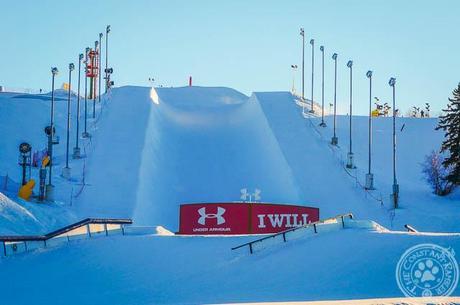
154	149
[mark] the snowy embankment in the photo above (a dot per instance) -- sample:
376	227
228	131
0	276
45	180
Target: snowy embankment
346	264
152	150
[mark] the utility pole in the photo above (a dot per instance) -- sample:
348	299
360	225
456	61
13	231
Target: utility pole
335	140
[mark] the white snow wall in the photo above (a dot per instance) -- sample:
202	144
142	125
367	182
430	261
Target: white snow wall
204	145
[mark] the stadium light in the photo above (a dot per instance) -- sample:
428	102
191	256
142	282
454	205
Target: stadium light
369	176
395	195
350	163
312	42
49	187
322	124
76	149
335	140
85	133
66	170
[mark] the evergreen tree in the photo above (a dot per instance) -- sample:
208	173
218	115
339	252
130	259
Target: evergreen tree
450	123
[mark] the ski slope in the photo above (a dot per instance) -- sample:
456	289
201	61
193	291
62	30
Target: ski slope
153	149
348	264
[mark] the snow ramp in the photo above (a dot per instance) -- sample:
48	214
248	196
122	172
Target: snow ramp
158	148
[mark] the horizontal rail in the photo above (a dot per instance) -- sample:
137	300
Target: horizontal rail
84	222
311	224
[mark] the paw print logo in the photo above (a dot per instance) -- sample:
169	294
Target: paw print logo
427	270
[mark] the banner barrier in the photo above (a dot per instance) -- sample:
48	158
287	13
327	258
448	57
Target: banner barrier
243	218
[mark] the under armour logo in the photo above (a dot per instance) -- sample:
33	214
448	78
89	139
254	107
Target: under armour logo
218	215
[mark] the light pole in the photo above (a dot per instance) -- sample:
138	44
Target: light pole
96	49
107	31
66	170
335	140
322	124
76	149
302	33
85	133
312	42
100	66
350	151
369	175
395	195
50	133
294	68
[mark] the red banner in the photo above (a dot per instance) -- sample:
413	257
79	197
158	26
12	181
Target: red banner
243	218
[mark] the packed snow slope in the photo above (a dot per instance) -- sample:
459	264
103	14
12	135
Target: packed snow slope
346	264
166	147
154	149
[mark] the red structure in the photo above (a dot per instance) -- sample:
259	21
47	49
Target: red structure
243	218
92	71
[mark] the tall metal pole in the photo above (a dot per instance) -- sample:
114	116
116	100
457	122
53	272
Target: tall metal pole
96	49
302	33
54	72
369	176
395	195
312	42
85	132
335	140
323	124
76	149
350	151
66	170
107	31
100	65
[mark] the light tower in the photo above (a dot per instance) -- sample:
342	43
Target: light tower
395	195
369	176
312	42
76	149
350	163
66	172
322	124
335	140
50	130
85	133
302	33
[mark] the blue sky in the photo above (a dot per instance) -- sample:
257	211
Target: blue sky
247	45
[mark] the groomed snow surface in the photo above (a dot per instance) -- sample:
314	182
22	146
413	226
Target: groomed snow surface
154	149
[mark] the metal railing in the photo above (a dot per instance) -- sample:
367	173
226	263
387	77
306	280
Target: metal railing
283	233
117	224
